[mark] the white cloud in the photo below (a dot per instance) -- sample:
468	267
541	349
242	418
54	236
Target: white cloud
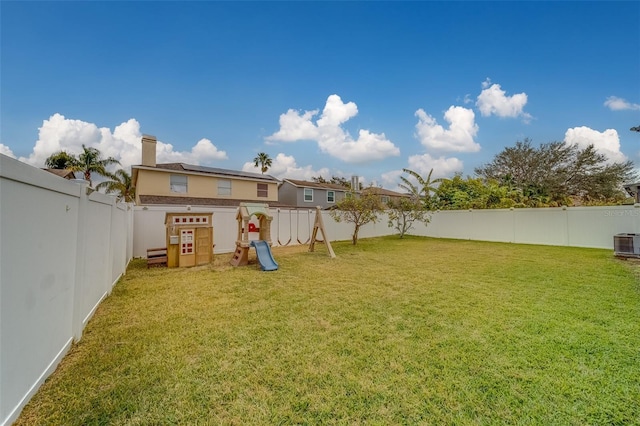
422	164
284	166
295	127
336	112
493	100
204	152
368	147
59	133
607	142
391	179
442	166
6	151
615	103
457	138
330	136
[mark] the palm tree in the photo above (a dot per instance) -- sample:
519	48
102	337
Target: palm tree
60	160
91	161
120	183
263	161
423	190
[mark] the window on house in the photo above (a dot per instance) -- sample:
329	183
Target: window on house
263	190
331	196
178	183
385	199
308	194
224	187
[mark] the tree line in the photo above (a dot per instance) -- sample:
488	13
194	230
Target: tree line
549	175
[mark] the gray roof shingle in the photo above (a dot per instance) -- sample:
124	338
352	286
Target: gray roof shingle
214	171
307	184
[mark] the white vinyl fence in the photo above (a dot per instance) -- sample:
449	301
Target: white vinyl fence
61	252
574	226
288	227
570	226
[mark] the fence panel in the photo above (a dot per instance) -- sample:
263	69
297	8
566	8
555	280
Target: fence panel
595	226
57	251
97	274
541	226
37	282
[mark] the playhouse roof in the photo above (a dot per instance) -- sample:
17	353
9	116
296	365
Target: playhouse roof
251	209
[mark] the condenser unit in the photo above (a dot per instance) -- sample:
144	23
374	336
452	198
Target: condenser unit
626	245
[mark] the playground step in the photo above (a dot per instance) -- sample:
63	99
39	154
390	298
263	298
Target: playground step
240	256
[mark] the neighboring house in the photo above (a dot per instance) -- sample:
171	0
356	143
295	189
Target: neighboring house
63	173
300	193
385	195
186	184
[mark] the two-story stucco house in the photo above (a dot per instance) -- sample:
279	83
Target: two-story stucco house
186	184
300	193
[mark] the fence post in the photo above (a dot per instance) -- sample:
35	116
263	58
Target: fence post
79	278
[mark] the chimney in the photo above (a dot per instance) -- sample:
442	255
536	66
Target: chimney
149	150
355	183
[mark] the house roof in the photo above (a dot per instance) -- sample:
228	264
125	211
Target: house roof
387	192
307	184
164	200
63	173
190	168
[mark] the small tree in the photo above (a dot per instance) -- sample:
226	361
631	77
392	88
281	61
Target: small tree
263	161
404	212
357	209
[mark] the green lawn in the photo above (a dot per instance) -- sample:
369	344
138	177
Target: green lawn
412	331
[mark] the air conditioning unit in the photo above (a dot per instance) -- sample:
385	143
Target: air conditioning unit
626	245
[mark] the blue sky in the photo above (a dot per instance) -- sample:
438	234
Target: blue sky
325	88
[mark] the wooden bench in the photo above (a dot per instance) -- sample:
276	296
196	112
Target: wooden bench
157	256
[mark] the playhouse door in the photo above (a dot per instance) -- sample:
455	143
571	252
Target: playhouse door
187	248
203	246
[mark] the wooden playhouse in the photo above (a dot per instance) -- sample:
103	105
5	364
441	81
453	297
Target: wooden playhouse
189	239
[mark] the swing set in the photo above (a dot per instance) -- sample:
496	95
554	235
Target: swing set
312	237
261	211
319	226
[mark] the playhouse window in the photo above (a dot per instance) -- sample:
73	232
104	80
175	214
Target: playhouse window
308	194
263	190
224	187
178	183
